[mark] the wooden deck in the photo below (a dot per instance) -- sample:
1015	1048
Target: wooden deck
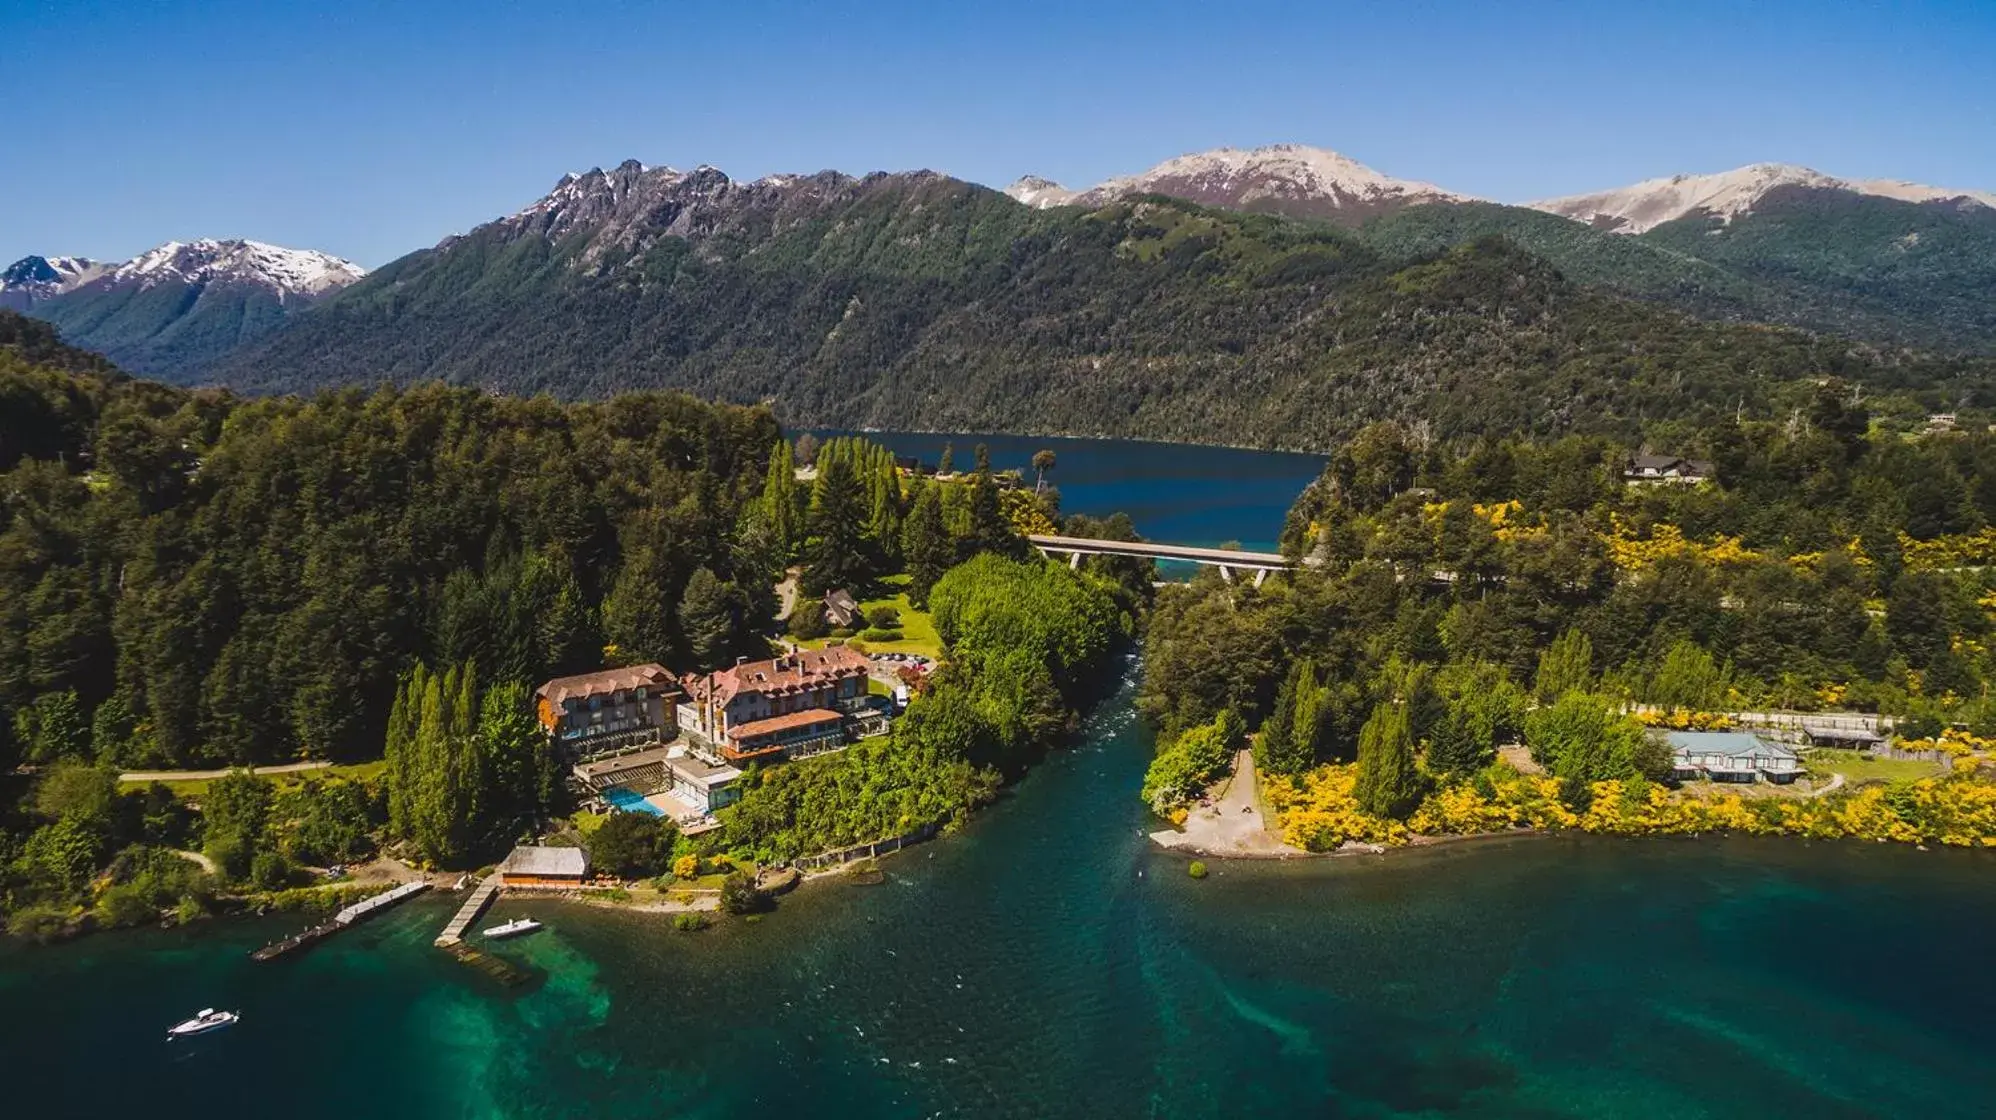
481	896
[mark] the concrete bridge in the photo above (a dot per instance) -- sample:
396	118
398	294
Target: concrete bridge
1229	561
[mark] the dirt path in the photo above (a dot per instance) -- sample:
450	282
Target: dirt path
211	775
786	596
1232	825
207	864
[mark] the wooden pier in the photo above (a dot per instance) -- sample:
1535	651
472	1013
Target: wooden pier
481	896
346	917
379	902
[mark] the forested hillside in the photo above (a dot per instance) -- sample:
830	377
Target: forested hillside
190	578
921	301
1879	269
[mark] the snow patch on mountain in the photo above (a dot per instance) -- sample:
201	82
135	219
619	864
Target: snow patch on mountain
1644	206
289	271
1283	178
32	280
1040	193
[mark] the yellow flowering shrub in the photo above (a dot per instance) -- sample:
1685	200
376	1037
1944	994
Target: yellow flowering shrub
1632	553
1459	810
1956	811
1318	811
1681	719
1952	742
1023	509
1963	550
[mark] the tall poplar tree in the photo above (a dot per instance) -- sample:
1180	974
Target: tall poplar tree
1567	665
1389	785
780	508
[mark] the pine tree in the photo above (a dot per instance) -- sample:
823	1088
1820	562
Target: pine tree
1388	785
779	506
989	529
710	619
926	545
634	613
1275	740
837	551
559	629
1290	735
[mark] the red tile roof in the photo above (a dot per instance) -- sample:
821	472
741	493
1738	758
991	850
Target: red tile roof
606	680
795	672
784	722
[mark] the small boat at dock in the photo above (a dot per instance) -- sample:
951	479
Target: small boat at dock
208	1020
514	928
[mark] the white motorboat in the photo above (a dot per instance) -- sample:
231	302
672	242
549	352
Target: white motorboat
514	928
208	1020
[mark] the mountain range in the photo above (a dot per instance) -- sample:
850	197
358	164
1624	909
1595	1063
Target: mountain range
1289	180
1275	296
177	308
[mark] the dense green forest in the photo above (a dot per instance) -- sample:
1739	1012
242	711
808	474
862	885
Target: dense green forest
214	580
920	301
1469	593
194	579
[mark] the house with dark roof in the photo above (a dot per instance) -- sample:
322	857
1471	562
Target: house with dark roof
786	707
1731	756
1667	468
842	610
609	708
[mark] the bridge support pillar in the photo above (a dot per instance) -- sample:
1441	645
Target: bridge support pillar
1226	573
1259	575
1074	560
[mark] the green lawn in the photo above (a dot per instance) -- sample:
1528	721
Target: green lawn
918	630
1858	767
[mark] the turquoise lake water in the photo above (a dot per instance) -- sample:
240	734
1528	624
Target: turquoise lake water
1049	963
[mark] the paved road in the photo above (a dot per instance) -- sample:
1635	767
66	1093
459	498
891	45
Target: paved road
210	775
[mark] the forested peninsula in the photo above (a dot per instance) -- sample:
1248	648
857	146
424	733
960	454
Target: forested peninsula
1501	596
377	579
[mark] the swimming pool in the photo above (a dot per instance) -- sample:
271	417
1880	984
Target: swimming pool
630	801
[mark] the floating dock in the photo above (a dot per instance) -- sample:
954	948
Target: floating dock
481	896
341	920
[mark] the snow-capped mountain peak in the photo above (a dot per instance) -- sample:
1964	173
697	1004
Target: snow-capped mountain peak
1727	195
1291	179
288	271
31	280
1040	193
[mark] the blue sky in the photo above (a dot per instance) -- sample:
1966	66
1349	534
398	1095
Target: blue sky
370	129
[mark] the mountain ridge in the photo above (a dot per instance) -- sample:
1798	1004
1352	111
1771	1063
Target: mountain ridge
912	299
1641	207
179	305
1291	180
